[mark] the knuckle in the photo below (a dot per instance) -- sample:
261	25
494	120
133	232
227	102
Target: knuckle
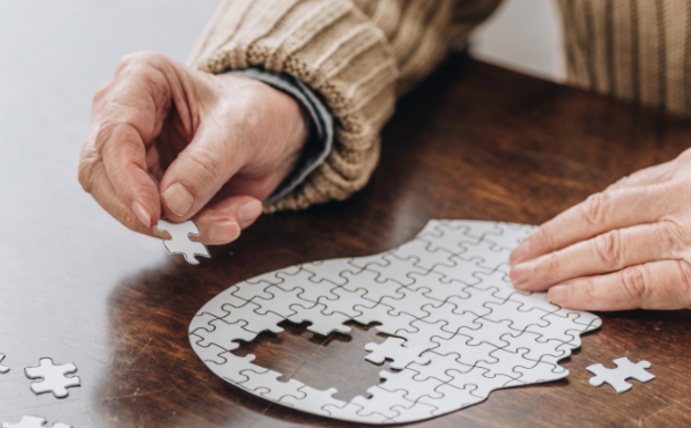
586	292
551	266
608	249
619	183
595	207
136	59
635	283
84	176
674	237
101	92
685	274
208	162
85	172
544	237
677	191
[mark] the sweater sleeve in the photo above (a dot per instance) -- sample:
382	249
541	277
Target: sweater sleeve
356	55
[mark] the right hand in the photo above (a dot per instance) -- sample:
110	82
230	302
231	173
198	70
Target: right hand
167	140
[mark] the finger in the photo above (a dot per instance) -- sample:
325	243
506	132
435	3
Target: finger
221	222
609	252
656	174
657	285
599	213
198	172
125	160
104	193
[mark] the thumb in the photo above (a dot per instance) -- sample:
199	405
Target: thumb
198	173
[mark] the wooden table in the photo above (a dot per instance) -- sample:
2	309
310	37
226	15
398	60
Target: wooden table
474	142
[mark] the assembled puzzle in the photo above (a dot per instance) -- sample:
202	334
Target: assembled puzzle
458	328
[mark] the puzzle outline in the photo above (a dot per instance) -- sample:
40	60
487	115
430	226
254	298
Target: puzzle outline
3	369
476	288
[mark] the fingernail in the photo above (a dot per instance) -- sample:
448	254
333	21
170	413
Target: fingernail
522	273
141	213
224	232
178	199
521	253
560	294
249	211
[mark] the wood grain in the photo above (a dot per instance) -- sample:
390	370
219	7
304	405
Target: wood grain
474	142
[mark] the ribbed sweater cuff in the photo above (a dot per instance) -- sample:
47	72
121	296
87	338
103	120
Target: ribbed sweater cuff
333	48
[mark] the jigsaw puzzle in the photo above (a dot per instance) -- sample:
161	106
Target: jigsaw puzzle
181	242
33	422
459	329
3	369
617	377
54	378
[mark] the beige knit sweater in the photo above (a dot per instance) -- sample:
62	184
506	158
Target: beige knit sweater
359	55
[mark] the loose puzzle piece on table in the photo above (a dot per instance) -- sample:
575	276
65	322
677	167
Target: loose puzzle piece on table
3	369
33	422
459	329
181	242
626	369
55	378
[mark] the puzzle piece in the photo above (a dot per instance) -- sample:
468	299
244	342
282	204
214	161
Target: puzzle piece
458	328
33	422
3	369
181	242
55	378
313	400
27	422
321	323
398	351
617	377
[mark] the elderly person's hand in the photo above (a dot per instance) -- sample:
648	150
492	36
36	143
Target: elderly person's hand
627	247
167	140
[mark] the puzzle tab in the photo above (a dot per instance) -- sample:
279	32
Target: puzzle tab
458	329
3	369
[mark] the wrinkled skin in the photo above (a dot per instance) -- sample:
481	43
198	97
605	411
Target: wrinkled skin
628	247
167	140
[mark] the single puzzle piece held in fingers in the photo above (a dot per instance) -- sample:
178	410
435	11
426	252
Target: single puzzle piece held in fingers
181	242
3	369
617	377
33	422
458	329
54	378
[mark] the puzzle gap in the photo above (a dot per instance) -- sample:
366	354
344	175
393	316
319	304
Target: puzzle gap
296	347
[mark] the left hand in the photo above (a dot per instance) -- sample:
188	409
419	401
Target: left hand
628	247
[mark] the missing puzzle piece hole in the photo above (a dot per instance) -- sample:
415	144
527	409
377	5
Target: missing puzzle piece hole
296	347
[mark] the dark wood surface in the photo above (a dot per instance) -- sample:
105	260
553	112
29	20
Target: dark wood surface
474	142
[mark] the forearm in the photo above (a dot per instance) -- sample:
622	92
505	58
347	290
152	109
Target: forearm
356	58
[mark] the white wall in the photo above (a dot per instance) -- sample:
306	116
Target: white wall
523	35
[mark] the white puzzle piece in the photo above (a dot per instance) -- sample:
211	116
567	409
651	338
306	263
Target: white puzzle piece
181	242
3	369
54	378
459	329
27	422
33	422
617	377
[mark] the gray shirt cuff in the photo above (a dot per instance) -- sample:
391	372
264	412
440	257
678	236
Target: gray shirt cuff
319	144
